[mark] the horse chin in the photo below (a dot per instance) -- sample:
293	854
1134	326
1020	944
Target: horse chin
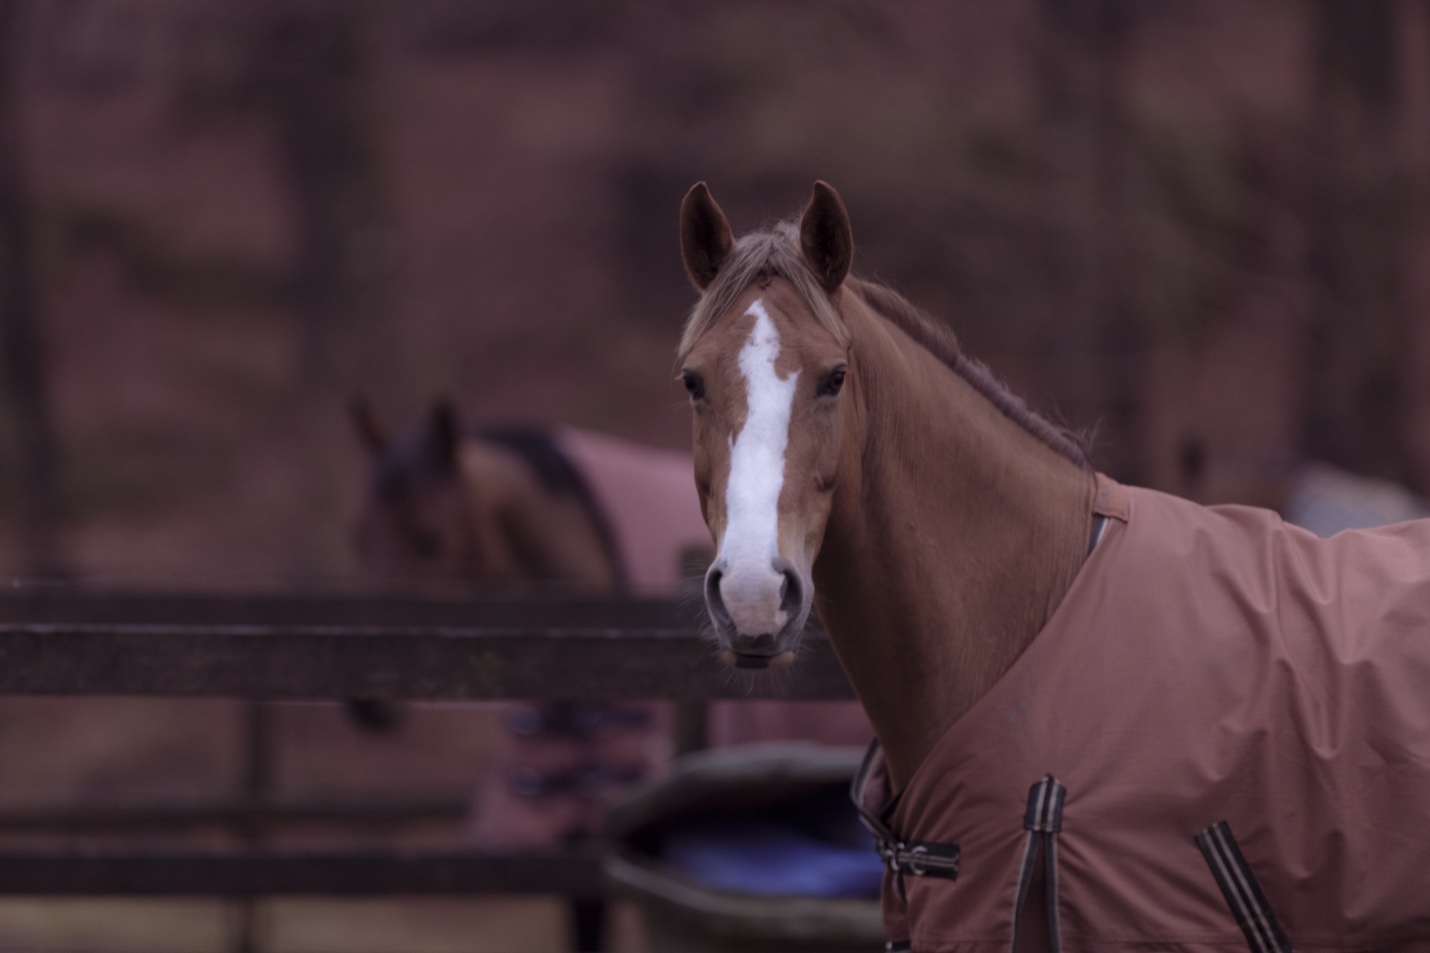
758	662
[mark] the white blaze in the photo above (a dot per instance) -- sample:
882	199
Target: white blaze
750	585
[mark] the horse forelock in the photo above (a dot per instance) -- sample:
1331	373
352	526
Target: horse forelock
777	252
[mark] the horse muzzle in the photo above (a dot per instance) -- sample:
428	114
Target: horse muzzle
758	615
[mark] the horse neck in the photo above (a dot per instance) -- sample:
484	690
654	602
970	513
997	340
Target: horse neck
521	535
947	553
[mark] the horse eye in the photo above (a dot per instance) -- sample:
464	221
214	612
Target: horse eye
693	385
833	382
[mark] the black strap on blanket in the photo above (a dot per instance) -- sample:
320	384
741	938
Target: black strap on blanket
1043	820
1243	894
919	858
1099	526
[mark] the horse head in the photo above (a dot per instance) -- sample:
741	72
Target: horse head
414	527
768	368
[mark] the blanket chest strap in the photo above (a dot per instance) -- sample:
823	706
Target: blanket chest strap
919	858
1242	892
1042	820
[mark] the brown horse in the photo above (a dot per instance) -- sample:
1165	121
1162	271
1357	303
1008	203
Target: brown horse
1028	636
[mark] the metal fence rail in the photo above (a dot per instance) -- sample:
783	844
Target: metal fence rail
65	643
309	662
305	873
30	604
150	815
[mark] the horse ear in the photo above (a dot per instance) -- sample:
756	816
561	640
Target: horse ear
443	435
826	238
705	239
371	431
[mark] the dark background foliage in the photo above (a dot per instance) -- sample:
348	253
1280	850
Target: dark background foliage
1171	221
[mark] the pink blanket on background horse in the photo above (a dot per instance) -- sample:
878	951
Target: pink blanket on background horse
648	498
1207	665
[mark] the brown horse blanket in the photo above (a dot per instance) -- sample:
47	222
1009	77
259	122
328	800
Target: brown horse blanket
1219	741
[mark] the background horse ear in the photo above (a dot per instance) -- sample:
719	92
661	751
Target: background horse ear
371	431
705	238
826	238
443	435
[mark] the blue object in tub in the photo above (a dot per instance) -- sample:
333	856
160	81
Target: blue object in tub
753	855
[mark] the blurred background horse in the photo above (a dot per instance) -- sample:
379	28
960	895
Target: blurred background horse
1313	494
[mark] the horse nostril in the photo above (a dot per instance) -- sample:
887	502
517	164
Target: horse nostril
791	593
713	600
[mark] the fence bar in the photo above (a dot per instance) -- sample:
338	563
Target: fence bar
312	662
63	604
267	874
228	812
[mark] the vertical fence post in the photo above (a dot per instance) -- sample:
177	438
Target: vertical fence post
257	786
21	343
